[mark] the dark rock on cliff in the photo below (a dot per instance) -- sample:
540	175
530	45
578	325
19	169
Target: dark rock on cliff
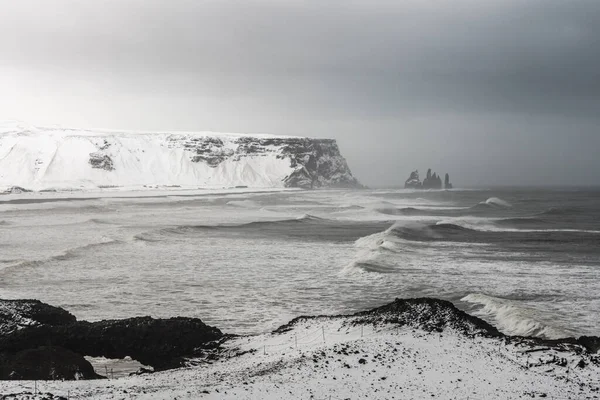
101	161
316	162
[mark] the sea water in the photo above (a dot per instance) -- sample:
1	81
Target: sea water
528	261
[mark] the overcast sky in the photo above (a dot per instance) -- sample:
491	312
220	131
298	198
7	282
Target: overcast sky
494	92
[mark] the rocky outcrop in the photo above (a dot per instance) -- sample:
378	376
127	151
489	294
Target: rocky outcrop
315	163
447	184
54	348
432	181
423	313
101	161
413	181
45	363
32	329
20	314
435	315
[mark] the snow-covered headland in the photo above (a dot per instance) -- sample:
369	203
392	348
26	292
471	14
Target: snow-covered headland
408	349
59	159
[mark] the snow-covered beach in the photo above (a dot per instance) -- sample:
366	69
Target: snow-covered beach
358	357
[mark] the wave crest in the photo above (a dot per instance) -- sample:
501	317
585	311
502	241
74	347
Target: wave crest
512	319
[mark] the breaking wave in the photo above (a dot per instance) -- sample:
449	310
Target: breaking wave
408	211
244	203
183	229
497	202
512	319
422	231
490	204
64	256
560	211
522	221
101	221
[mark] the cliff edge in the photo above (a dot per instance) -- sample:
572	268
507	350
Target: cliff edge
33	158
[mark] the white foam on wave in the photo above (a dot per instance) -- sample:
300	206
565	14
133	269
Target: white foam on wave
244	203
489	225
372	251
368	248
473	223
498	202
512	319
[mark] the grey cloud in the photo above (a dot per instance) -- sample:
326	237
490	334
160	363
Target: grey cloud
388	77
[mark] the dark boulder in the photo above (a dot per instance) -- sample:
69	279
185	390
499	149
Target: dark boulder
39	341
16	314
45	363
160	343
591	343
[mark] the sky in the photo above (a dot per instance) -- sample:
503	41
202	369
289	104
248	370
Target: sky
495	92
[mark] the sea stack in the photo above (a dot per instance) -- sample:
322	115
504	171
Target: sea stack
413	182
447	184
432	181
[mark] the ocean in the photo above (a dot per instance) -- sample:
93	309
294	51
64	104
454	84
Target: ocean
525	260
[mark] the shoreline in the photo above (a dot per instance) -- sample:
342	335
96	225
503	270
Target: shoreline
411	348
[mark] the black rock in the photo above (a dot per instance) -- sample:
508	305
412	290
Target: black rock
101	161
30	329
45	363
591	343
16	314
160	343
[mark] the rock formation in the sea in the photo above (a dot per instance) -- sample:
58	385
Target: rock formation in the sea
447	184
432	181
30	329
413	181
85	159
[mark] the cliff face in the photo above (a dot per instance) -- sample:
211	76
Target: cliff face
38	159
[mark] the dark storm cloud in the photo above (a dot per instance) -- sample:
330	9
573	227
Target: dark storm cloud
389	77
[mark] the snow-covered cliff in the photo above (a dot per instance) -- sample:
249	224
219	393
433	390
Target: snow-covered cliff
56	158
